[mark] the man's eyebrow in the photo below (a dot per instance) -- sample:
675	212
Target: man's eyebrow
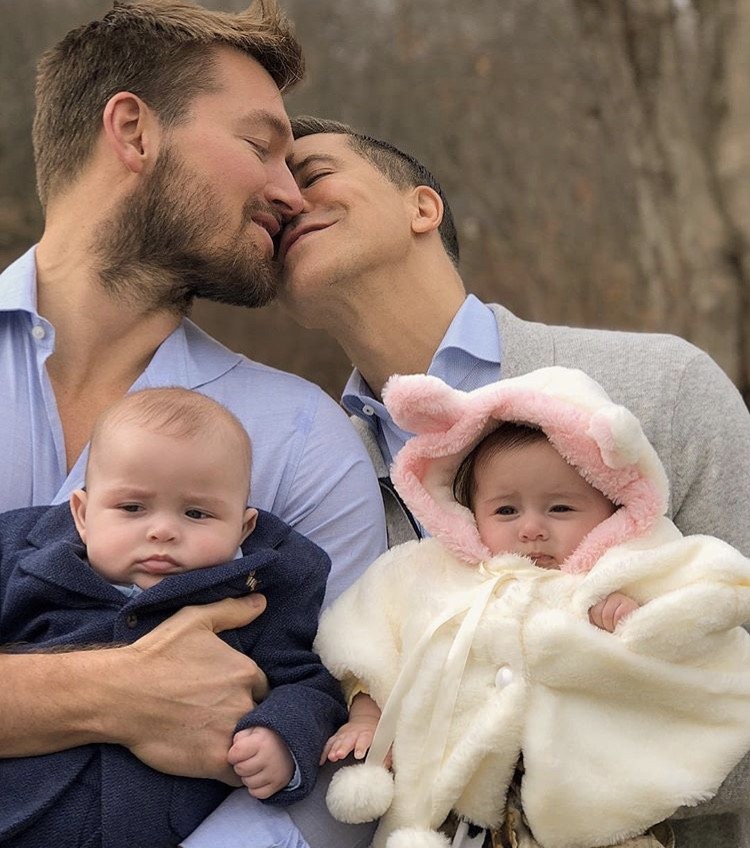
313	158
269	119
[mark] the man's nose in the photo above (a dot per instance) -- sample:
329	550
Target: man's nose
284	193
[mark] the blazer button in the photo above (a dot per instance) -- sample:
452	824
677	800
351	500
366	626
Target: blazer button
503	677
132	620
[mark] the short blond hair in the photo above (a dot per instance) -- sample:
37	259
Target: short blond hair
177	412
161	50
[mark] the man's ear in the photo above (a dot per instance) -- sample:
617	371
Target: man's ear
131	130
428	210
249	522
78	501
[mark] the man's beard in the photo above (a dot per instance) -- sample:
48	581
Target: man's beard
159	250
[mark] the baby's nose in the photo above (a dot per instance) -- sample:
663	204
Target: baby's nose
532	529
162	530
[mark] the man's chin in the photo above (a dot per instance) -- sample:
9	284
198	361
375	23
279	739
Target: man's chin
257	300
257	287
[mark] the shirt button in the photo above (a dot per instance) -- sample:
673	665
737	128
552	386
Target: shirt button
503	677
368	410
131	620
38	332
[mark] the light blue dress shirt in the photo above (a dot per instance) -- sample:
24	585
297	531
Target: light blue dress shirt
309	466
468	357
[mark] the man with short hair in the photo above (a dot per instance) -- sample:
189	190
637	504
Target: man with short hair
372	259
161	143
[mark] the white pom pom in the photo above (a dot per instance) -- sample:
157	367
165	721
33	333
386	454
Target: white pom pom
417	837
360	793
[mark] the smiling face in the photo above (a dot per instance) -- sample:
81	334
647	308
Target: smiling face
218	193
527	500
354	221
157	504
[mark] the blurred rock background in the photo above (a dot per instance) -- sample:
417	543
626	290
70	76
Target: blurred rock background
596	152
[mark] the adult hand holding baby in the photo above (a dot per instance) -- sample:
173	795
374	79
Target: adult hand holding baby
186	690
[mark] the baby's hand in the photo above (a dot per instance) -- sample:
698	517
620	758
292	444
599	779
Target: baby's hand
262	760
356	735
611	610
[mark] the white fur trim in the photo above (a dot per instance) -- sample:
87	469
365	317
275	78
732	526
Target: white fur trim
417	837
360	793
618	434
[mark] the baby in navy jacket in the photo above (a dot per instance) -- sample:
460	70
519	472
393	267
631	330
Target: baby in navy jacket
162	522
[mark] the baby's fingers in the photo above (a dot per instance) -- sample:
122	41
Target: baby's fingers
343	746
624	608
362	743
339	746
326	750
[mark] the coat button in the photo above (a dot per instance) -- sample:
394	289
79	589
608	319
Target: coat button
503	677
132	620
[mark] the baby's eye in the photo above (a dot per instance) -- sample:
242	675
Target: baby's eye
197	514
505	510
561	508
131	507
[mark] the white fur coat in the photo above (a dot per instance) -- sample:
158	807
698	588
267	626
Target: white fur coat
616	730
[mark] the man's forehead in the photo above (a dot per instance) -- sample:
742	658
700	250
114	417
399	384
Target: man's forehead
331	146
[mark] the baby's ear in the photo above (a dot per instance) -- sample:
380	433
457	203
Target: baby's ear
250	519
78	501
420	403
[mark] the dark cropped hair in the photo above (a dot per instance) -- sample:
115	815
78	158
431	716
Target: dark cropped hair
400	168
161	50
507	436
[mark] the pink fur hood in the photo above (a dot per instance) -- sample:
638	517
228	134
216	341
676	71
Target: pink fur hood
602	440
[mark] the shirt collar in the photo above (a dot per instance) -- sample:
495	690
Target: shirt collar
187	357
473	331
18	284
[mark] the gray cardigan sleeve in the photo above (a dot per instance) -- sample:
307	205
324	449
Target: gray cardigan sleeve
711	455
711	494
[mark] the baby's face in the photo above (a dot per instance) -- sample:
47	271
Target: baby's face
529	501
157	505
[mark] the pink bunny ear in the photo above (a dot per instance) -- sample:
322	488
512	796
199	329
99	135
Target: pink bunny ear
420	403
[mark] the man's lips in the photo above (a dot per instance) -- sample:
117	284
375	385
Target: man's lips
270	224
294	233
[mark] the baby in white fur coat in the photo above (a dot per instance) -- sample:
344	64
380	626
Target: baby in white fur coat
476	659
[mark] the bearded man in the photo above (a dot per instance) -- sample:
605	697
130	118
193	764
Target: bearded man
161	144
